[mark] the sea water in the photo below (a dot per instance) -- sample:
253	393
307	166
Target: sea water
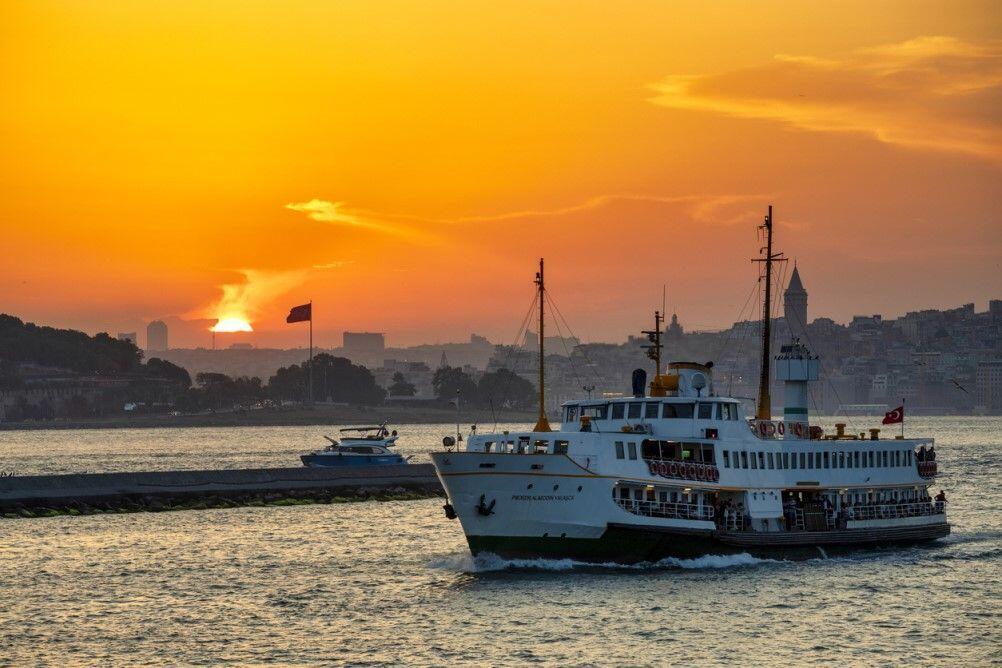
393	582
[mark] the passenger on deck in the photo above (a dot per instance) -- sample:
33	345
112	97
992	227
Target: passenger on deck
940	501
931	454
920	455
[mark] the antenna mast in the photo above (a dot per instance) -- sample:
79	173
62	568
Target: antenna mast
654	350
542	424
764	411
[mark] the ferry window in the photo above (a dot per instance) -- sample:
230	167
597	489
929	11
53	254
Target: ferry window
770	461
618	409
908	457
727	459
841	460
624	493
855	458
595	412
761	460
638	494
885	458
786	460
633	450
677	411
540	446
754	461
560	447
825	455
650	450
708	454
651	409
572	414
635	409
663	496
744	459
897	458
488	446
705	411
619	450
817	460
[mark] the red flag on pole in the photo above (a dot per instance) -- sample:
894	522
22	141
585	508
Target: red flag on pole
300	313
896	416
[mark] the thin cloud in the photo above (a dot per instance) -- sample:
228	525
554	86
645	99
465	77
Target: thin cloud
932	92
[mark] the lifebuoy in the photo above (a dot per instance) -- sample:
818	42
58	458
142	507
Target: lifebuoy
663	470
673	469
762	428
716	475
798	429
690	471
652	467
781	427
770	428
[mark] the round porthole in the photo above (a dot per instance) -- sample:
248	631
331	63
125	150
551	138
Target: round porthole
530	486
556	487
579	488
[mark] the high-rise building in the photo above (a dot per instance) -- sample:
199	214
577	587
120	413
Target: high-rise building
795	305
156	336
989	387
129	336
364	342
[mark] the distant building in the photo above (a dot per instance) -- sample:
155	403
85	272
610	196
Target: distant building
674	330
156	336
795	306
241	346
129	336
363	343
989	389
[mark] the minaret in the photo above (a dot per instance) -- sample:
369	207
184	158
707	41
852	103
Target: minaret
795	306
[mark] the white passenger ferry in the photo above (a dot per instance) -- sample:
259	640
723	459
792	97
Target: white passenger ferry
678	471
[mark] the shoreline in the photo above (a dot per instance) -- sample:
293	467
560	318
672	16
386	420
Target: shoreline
294	417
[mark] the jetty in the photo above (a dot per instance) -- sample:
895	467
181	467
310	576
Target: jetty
88	493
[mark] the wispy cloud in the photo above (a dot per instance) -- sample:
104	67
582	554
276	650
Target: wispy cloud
932	92
335	264
338	213
252	292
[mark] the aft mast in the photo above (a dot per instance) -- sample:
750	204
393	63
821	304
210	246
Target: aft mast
764	411
542	424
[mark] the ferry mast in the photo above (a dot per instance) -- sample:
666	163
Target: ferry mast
542	424
764	411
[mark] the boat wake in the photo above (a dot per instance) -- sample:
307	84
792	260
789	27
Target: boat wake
487	563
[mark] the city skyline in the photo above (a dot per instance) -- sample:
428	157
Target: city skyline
230	161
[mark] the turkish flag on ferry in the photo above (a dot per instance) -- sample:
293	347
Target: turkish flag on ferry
300	313
896	416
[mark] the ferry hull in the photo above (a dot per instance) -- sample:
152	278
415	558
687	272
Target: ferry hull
631	545
554	507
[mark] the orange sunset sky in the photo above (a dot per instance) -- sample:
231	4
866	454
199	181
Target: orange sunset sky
405	164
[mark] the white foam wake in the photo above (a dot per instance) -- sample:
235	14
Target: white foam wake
488	562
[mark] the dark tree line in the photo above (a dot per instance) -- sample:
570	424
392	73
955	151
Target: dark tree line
501	389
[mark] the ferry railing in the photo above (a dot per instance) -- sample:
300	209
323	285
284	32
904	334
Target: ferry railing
884	511
926	469
677	469
667	509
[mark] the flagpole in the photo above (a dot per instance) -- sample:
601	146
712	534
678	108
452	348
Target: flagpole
311	353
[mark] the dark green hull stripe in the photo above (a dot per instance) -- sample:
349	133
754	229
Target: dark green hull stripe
633	545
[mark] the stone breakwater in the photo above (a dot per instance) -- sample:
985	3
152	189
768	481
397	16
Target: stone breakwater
156	491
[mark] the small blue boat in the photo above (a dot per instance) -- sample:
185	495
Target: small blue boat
358	446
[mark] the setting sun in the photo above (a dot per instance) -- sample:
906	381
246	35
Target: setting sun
232	325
